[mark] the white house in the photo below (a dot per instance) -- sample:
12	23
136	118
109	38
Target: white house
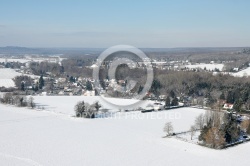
228	106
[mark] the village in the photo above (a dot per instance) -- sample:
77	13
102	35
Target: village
54	84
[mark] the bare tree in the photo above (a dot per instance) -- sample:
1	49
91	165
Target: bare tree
31	102
216	118
192	131
17	100
199	121
8	98
247	104
207	117
168	128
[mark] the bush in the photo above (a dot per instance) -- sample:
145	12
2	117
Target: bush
86	110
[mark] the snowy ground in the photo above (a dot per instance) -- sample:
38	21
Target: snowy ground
30	137
207	66
242	73
6	76
25	60
14	60
60	104
187	137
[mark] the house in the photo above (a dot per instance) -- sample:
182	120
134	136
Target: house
61	80
122	82
228	106
44	94
88	93
236	69
151	96
93	66
162	97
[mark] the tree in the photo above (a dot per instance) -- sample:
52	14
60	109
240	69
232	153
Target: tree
22	81
72	79
8	98
35	87
80	109
230	97
210	100
247	104
248	128
172	94
140	89
85	110
192	131
97	106
215	138
168	129
31	102
22	86
199	121
230	128
89	85
90	111
17	100
237	105
168	102
244	125
175	102
204	130
41	82
155	87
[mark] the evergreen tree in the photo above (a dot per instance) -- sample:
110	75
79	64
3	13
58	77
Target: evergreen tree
97	106
172	94
168	102
22	86
71	79
230	128
140	89
155	87
237	105
89	86
222	96
230	97
36	87
41	82
175	102
204	131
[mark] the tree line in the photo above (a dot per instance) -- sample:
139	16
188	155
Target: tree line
18	100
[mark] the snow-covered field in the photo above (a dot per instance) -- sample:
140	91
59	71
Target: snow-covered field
207	66
242	73
60	104
14	60
6	76
30	137
25	60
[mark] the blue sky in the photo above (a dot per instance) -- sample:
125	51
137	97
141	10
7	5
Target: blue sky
141	23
